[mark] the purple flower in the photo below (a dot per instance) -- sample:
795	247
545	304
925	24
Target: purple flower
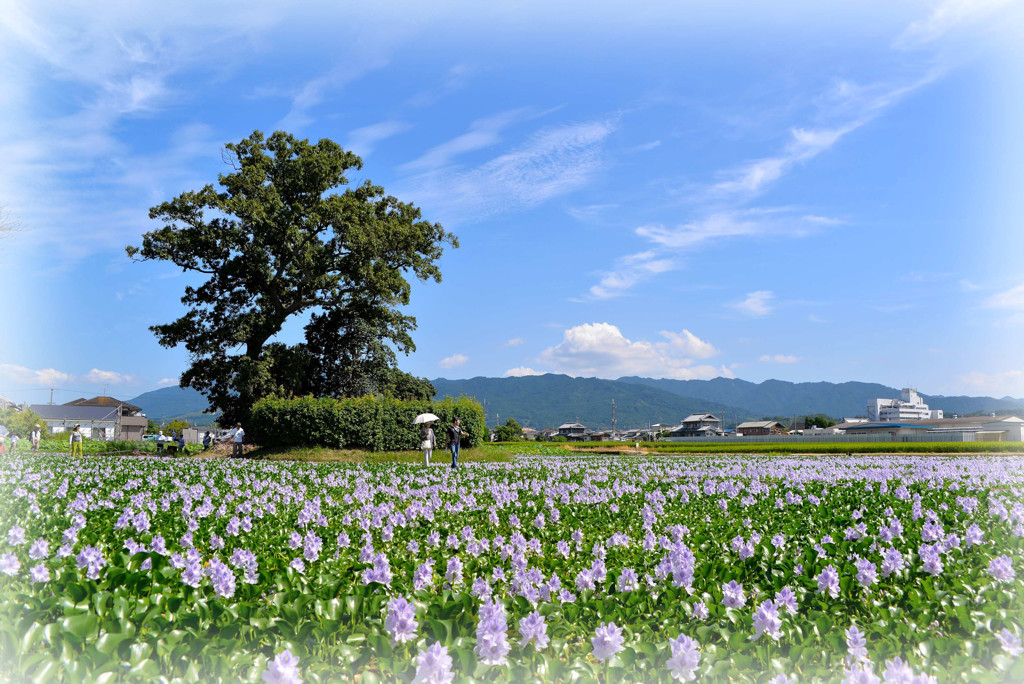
682	665
9	564
856	647
867	572
16	535
931	560
193	574
453	575
607	641
40	573
1001	569
492	645
92	560
400	622
828	582
1010	642
39	550
434	665
284	669
222	578
767	621
785	599
732	595
974	536
628	580
533	628
700	611
300	567
423	577
584	580
892	562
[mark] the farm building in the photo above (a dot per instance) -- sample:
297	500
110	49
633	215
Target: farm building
103	418
759	428
698	425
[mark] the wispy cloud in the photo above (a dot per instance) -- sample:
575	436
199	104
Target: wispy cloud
45	377
482	133
455	79
600	349
1010	382
514	342
167	381
629	271
589	212
946	16
554	161
1009	299
756	304
453	361
104	377
779	358
363	140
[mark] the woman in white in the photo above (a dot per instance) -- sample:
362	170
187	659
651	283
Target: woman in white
427	442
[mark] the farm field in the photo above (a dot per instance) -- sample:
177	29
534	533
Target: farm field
546	567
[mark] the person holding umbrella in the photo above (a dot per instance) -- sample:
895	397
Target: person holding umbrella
427	438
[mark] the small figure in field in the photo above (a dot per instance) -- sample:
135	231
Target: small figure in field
160	441
207	441
427	442
75	440
181	441
14	443
35	435
454	436
236	443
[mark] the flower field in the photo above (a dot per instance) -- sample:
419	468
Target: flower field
715	568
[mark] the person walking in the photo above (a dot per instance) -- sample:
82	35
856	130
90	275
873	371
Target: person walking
454	436
14	443
236	442
160	439
76	440
427	442
207	441
35	435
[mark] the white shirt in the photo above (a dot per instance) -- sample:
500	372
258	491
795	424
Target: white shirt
239	434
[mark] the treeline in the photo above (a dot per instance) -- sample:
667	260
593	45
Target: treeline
373	423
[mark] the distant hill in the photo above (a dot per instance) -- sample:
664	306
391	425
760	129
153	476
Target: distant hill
781	398
170	403
541	401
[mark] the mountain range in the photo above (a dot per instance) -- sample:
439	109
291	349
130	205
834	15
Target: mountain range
541	401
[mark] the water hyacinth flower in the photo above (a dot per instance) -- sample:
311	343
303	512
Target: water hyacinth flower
898	671
400	622
423	576
39	573
767	621
1001	569
785	599
1010	642
700	611
283	669
300	567
607	641
9	564
434	665
533	628
856	647
628	580
732	595
92	560
39	550
16	535
492	645
892	562
828	581
867	572
685	658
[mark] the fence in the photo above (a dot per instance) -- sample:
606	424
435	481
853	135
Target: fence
952	436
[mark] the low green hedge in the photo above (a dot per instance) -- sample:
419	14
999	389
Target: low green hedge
373	423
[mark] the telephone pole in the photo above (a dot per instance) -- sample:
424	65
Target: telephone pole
613	415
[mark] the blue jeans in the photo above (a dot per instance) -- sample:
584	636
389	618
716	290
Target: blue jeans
454	448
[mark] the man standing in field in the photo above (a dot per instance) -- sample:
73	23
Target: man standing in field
76	441
454	435
236	442
34	437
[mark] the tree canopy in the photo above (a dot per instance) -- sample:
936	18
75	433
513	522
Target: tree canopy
277	240
511	431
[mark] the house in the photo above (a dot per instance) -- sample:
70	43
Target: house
897	431
988	428
698	425
573	432
910	406
759	428
102	418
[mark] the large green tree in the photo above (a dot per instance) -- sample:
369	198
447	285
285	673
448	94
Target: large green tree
279	239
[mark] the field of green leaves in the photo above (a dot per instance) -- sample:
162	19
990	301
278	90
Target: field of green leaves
553	568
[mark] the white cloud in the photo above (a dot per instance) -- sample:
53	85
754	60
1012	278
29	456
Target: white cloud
553	162
1009	382
482	133
515	342
363	140
629	270
453	361
946	15
779	358
600	349
589	212
455	80
103	377
46	377
968	286
521	371
167	381
1010	299
757	303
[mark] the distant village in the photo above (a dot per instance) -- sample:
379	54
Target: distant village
906	419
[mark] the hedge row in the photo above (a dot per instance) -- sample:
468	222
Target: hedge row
373	423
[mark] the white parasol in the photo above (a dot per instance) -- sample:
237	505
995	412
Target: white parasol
3	431
425	418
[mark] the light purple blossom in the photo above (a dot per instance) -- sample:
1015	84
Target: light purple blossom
828	581
284	669
1010	642
39	550
492	645
533	628
732	595
628	580
785	599
867	572
1001	569
767	621
39	573
607	641
16	535
9	564
700	611
685	658
434	665
400	623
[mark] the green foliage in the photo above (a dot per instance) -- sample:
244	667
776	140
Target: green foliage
21	423
376	423
818	421
176	426
509	432
280	241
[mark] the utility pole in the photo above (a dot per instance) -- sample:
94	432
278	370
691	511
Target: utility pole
613	415
51	396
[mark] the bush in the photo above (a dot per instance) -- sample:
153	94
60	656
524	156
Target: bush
374	423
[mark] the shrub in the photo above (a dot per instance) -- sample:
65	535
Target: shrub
374	423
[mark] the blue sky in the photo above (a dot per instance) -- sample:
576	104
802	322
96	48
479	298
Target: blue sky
815	191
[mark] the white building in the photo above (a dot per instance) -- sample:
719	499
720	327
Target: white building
909	406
